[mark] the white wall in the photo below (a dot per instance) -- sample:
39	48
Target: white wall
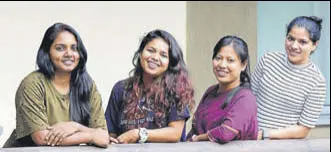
111	32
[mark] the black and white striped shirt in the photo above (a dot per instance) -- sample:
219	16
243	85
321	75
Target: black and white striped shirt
287	94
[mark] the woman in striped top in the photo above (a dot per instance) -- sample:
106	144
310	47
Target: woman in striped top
289	88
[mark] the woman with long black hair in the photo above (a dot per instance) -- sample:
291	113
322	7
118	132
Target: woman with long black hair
59	103
227	110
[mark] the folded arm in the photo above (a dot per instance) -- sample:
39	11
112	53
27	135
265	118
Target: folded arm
70	133
172	133
291	132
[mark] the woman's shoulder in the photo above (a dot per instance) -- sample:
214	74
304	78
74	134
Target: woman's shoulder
120	85
34	78
246	91
316	74
246	94
273	55
34	84
210	88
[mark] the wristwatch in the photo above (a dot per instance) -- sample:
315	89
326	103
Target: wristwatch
265	134
143	135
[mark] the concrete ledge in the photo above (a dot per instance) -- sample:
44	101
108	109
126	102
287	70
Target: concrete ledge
315	145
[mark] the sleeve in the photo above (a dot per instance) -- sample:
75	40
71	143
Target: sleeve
31	114
97	118
176	114
179	114
257	75
113	110
193	128
313	106
241	120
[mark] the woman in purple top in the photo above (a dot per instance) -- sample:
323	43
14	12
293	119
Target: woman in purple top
153	104
228	110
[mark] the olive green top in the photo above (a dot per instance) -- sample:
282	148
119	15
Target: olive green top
39	105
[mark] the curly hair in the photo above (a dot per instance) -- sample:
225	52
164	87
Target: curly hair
172	88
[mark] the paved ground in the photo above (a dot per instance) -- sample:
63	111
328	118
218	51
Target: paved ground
304	145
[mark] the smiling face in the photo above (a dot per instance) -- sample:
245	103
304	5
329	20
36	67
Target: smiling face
64	53
154	59
227	67
299	46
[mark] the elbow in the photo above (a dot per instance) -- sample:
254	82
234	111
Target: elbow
104	143
223	135
103	139
303	132
38	137
39	140
302	135
175	131
223	140
176	138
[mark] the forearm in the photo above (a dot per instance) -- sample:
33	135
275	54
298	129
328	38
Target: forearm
291	132
95	136
82	128
202	137
78	138
172	133
168	134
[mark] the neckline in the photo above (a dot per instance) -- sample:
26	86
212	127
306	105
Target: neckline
224	92
215	92
56	91
300	66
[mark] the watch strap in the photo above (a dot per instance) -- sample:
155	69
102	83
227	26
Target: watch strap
265	134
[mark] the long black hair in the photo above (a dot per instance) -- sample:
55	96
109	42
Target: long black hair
80	82
241	49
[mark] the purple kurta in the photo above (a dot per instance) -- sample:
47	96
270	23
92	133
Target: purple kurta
238	121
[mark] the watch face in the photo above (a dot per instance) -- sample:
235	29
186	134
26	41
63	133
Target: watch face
143	134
